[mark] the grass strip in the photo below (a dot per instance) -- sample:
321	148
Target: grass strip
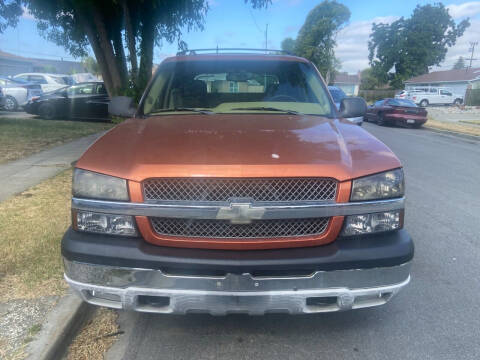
22	137
453	126
31	227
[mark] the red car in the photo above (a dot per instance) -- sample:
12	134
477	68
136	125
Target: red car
396	112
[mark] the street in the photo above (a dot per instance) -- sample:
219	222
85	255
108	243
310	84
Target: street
436	317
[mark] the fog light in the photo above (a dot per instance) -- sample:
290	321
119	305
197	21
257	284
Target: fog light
105	223
372	223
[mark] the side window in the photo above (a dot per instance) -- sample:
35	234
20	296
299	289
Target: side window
87	89
445	92
433	91
379	103
22	77
101	89
38	79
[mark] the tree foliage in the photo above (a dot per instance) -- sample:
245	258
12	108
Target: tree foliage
369	80
316	38
459	64
10	12
112	26
408	47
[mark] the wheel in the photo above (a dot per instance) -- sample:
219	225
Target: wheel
47	111
458	102
10	103
380	120
424	103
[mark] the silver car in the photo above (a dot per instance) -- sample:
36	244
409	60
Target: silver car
17	93
2	99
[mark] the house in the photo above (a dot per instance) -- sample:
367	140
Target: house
458	80
349	83
11	64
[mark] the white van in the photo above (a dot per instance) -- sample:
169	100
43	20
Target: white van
434	96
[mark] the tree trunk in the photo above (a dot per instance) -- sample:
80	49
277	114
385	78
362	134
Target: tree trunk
107	50
130	39
146	52
102	63
97	50
120	56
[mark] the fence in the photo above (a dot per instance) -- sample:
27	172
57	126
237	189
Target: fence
374	95
472	97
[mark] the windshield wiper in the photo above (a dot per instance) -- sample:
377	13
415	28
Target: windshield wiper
200	111
266	108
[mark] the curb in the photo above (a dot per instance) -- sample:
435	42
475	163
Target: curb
59	328
452	133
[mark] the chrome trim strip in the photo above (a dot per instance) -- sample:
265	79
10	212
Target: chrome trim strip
220	211
122	288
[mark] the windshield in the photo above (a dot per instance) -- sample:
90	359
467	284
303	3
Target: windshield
402	102
237	86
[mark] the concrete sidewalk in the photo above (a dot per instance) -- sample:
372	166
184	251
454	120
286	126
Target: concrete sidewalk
17	176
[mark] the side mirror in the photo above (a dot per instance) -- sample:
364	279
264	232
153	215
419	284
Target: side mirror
353	107
121	106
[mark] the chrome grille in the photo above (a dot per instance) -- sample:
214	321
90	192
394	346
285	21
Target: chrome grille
223	189
224	229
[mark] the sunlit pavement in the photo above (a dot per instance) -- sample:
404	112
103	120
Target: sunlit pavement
436	317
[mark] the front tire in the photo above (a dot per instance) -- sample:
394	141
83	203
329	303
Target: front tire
458	102
424	103
380	120
47	111
10	104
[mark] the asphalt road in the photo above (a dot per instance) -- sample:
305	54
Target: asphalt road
436	317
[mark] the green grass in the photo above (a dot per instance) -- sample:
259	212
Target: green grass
23	137
31	226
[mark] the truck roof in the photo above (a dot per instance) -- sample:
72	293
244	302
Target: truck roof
235	56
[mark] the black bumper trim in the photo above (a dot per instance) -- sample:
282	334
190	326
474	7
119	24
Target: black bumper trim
362	252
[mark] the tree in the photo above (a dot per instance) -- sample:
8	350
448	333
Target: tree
91	65
408	47
10	12
288	44
459	64
316	38
104	25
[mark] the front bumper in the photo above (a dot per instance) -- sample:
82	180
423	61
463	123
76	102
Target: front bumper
126	273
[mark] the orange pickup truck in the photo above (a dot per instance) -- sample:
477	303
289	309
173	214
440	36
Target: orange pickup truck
237	186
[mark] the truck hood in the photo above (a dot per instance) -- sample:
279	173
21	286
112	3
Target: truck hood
237	145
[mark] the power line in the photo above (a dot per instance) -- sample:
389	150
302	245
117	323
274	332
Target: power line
254	21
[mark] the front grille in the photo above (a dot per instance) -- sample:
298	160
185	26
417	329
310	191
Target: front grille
224	189
224	229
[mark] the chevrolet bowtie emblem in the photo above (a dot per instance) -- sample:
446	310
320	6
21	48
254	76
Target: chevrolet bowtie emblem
240	213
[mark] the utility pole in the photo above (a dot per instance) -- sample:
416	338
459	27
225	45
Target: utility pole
472	49
266	37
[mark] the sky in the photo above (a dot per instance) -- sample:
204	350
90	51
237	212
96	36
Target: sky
232	23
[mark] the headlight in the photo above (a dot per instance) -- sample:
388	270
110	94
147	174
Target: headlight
373	223
88	184
385	185
105	223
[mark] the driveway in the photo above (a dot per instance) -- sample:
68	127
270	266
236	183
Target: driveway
436	317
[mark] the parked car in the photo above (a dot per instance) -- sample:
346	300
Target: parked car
235	187
434	96
48	82
396	112
18	93
2	99
85	101
338	95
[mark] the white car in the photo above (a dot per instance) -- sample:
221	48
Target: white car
18	93
434	96
48	82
